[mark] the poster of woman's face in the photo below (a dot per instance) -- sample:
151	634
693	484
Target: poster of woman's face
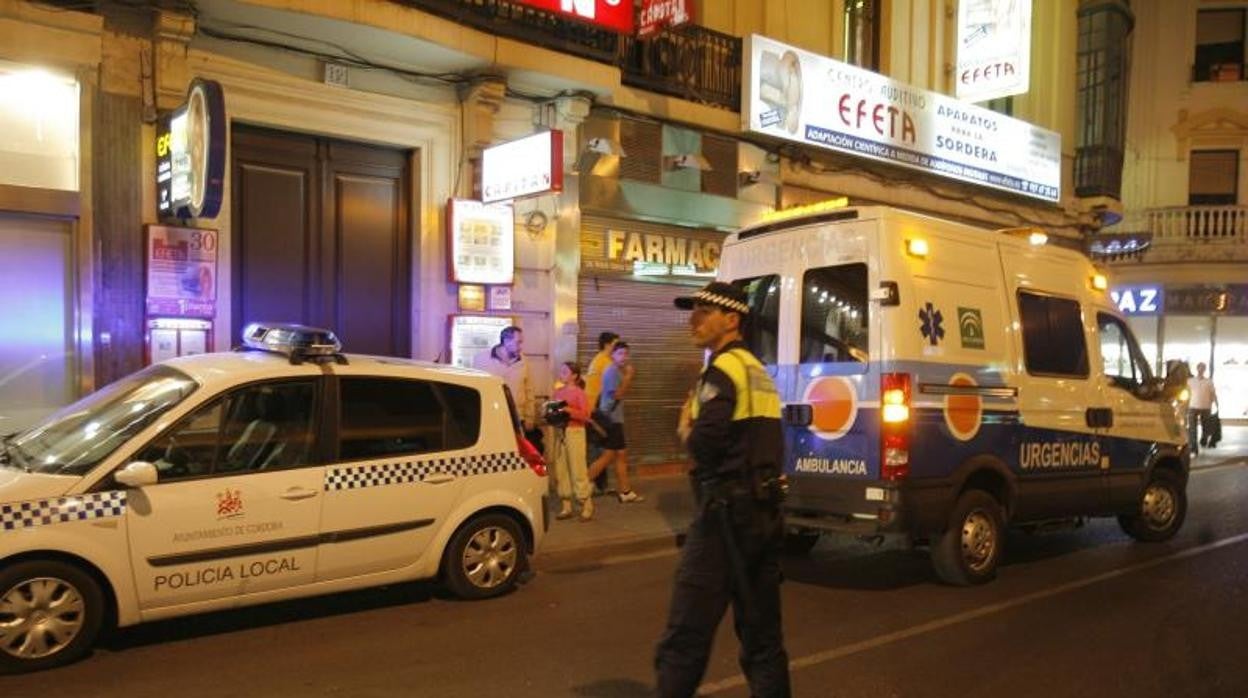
197	143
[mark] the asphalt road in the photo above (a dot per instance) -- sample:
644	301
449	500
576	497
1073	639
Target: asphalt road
1076	613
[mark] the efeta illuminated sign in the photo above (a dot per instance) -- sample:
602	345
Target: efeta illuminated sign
994	49
1138	300
529	165
811	99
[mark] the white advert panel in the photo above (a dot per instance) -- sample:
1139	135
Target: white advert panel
815	100
994	49
483	242
526	166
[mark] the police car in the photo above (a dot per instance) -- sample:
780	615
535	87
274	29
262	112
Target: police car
281	470
942	381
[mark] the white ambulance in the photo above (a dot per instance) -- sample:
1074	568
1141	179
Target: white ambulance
281	470
942	381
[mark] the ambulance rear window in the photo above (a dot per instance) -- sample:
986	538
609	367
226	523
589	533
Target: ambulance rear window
834	314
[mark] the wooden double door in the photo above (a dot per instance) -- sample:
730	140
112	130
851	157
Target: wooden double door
322	236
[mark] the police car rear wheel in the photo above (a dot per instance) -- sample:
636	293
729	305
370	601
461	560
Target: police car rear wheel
485	557
968	551
50	614
1163	507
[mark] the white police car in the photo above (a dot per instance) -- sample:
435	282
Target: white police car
281	470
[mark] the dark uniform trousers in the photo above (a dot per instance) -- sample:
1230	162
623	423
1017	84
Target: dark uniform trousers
705	584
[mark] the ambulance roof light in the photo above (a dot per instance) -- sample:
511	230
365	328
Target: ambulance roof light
1099	282
299	343
785	214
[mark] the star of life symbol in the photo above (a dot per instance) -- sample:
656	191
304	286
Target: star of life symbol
931	327
229	504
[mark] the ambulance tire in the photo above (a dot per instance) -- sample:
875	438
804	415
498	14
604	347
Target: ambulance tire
39	594
485	557
968	551
799	542
1163	507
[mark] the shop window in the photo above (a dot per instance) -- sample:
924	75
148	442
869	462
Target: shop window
1189	339
1053	340
1219	45
862	33
1102	73
762	331
1230	367
1213	178
834	315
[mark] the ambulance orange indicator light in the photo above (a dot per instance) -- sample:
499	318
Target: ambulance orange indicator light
916	247
1099	282
895	407
1038	238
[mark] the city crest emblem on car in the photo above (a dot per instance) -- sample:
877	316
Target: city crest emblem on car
229	504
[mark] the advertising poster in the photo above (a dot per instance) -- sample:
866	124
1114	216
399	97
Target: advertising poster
482	241
474	334
811	99
181	272
190	155
994	49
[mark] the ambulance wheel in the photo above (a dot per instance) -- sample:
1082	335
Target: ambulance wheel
1163	507
968	551
50	614
484	558
800	542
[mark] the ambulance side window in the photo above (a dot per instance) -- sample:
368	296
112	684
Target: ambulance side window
389	416
1053	340
763	330
1123	361
834	314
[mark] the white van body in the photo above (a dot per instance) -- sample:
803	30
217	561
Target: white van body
1018	394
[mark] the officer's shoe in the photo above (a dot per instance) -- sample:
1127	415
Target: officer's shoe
630	497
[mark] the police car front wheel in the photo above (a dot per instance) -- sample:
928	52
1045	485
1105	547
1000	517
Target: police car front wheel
485	557
50	614
968	551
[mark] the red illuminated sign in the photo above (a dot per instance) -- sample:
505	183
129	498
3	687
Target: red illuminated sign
663	14
615	15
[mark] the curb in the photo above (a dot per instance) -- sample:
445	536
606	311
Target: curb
596	554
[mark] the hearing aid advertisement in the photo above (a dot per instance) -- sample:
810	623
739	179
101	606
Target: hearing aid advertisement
811	99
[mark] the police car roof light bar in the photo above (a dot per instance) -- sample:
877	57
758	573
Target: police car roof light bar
297	342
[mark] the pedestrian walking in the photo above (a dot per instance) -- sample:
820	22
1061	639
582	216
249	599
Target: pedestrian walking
506	361
616	381
1200	409
571	473
731	552
593	389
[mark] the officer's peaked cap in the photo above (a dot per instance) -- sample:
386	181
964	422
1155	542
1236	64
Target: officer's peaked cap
718	293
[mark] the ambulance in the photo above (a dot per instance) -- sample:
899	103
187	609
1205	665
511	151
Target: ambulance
941	382
281	470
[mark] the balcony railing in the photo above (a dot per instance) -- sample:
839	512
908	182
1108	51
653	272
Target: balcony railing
690	62
1176	234
1213	224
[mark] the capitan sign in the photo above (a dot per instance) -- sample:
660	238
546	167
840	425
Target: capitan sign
994	49
526	166
815	100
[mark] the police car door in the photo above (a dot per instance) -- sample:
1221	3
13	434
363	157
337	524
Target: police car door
237	508
1057	456
1141	417
401	466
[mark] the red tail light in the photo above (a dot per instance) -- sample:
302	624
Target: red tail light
895	426
530	455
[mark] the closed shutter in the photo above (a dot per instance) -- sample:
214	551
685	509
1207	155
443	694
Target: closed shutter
641	312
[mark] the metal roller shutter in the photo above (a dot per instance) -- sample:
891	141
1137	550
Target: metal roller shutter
641	312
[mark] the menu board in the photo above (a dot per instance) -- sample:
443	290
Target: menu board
482	241
181	271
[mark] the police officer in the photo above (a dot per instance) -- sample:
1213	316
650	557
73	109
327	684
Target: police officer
731	551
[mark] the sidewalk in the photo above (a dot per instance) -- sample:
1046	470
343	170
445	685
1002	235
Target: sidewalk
652	525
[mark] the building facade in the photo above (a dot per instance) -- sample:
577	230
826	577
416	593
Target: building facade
350	124
1180	255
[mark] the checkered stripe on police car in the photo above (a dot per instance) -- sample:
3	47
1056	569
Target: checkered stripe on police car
99	505
380	474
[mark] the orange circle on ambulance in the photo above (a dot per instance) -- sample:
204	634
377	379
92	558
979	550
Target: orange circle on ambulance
834	403
963	413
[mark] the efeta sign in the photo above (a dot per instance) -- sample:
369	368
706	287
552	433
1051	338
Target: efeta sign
529	165
815	100
994	49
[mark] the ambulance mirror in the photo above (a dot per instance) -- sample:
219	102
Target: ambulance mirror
137	474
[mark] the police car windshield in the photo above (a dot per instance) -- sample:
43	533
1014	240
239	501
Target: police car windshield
80	436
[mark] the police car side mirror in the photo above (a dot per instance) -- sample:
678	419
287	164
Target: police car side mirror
137	474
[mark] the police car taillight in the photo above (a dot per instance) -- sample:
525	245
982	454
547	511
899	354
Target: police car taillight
299	343
895	426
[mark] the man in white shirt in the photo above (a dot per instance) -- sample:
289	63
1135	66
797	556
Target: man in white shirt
1203	399
506	362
